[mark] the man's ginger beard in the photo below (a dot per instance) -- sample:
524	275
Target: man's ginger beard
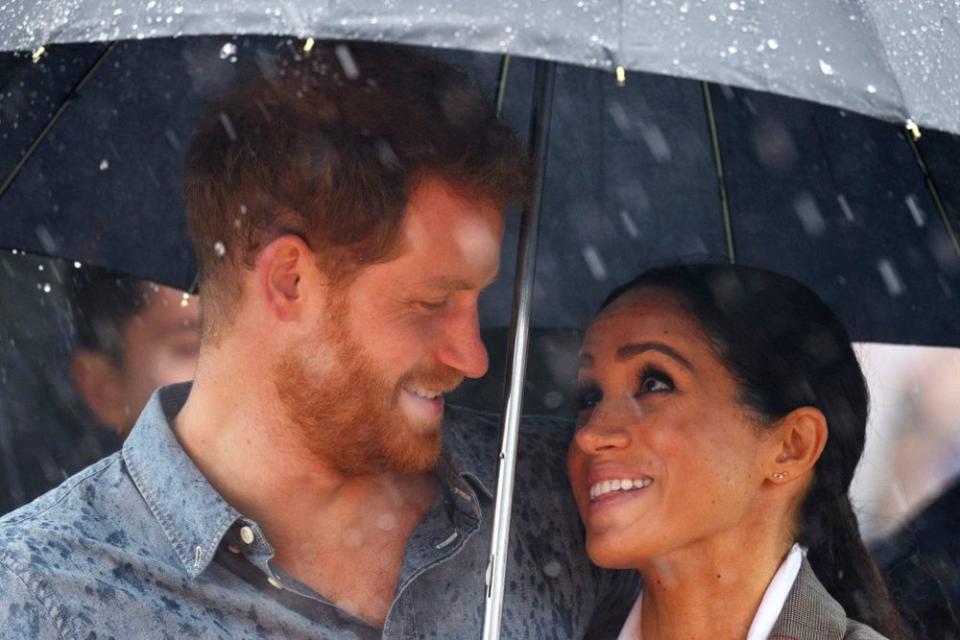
349	415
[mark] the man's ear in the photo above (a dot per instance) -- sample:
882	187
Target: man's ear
801	437
100	384
283	269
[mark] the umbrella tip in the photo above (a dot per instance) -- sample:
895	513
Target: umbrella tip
914	130
38	53
621	75
308	45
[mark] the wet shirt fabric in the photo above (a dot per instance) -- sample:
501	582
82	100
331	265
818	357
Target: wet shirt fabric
140	545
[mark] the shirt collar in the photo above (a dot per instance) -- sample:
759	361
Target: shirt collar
191	513
194	517
470	449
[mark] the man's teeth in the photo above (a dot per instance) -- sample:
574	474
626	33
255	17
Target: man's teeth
608	486
427	395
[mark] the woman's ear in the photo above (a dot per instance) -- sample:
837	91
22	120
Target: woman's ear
801	437
281	269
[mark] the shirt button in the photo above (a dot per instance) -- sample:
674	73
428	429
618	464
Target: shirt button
276	583
246	534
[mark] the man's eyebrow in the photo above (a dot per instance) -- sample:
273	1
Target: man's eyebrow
631	350
448	283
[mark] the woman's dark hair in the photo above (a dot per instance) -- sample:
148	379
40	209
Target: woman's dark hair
786	349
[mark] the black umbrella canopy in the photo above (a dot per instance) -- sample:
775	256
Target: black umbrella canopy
836	199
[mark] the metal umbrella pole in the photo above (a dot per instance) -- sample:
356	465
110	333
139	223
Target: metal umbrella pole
517	355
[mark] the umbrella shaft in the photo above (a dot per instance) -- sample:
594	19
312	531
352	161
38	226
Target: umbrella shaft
516	363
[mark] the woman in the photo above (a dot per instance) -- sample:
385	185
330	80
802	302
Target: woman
721	416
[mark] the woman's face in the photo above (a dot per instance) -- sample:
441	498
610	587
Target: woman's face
665	457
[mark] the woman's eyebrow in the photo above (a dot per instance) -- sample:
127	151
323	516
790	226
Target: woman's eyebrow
628	351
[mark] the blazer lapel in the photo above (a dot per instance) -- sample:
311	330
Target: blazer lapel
810	613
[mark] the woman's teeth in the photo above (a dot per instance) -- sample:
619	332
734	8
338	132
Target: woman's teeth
609	486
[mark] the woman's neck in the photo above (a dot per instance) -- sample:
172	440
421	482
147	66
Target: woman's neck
708	591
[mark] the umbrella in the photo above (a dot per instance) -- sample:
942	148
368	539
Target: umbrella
862	64
876	57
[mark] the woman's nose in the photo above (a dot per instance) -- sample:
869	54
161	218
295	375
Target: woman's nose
602	431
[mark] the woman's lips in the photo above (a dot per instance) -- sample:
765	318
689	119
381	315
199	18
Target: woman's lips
605	489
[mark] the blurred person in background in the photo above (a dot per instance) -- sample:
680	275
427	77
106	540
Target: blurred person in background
133	337
921	559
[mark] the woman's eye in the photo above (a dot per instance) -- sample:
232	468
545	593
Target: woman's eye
653	381
588	398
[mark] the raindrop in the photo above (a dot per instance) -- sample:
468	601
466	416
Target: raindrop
347	62
918	216
118	11
76	264
178	10
552	399
826	69
219	249
809	213
619	115
773	44
228	51
712	18
845	207
386	521
890	277
732	49
594	263
228	126
552	569
871	88
685	7
39	267
151	4
656	142
629	224
104	165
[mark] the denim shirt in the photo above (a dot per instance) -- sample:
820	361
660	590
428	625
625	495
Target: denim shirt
140	545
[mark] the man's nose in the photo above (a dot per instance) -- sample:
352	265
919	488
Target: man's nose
461	347
603	431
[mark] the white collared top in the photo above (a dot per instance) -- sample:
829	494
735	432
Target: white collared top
770	606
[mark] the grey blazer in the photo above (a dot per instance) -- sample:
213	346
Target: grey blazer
810	613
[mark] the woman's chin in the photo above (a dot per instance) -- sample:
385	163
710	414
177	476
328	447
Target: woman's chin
612	552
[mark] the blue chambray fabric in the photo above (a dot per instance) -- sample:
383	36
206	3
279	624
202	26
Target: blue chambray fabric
140	545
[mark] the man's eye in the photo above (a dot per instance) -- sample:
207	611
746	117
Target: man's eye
432	305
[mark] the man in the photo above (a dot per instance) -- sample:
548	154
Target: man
346	212
132	337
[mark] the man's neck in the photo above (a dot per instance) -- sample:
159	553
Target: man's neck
322	525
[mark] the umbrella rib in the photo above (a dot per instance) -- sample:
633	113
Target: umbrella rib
932	188
721	181
53	120
502	82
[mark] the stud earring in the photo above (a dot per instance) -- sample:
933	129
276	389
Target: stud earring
779	475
